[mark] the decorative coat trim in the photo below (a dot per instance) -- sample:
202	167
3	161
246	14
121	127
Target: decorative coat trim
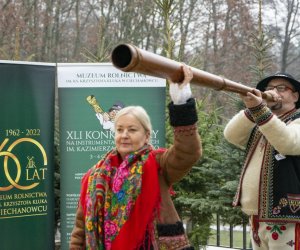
186	130
261	114
248	115
183	115
170	229
172	237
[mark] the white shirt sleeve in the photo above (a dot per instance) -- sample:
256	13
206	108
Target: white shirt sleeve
100	118
285	138
238	130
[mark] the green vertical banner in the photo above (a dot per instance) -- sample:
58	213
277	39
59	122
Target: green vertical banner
90	95
26	155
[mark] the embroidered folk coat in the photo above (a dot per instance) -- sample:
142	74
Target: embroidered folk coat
278	191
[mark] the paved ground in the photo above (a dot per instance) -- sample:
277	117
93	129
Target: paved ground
218	248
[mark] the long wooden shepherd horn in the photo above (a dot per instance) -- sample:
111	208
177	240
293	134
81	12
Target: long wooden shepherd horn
129	58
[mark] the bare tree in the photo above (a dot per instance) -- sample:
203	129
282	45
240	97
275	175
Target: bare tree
209	34
286	31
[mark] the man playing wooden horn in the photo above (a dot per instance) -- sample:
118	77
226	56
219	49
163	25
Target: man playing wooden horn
269	187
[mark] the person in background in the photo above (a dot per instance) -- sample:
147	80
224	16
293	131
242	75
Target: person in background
269	187
107	119
125	200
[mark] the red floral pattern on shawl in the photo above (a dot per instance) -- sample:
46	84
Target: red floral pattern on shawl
142	204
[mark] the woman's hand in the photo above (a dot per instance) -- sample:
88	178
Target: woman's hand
187	75
180	93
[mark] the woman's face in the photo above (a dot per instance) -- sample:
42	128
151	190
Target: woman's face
130	134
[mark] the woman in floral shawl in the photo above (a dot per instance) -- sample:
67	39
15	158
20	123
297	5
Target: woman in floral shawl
125	201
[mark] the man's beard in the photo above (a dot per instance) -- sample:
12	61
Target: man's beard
276	106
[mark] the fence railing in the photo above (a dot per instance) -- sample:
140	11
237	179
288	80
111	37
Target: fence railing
225	236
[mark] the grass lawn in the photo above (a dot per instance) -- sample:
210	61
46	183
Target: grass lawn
225	238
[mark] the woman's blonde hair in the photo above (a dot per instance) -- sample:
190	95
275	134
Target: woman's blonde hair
139	113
